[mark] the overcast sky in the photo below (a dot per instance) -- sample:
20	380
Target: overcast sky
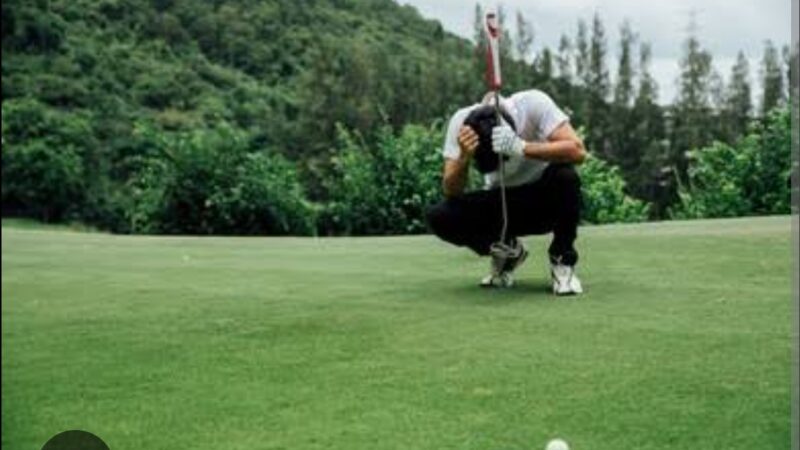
725	26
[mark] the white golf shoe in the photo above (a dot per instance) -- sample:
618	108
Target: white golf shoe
565	281
505	258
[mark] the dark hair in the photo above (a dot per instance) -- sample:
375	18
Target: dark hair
482	119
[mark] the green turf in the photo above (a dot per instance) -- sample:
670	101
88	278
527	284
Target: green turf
681	342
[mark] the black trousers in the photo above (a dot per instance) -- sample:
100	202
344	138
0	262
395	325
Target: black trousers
551	204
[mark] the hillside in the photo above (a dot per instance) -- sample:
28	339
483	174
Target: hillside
93	92
287	70
281	117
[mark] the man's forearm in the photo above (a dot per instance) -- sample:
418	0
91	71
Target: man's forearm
455	177
566	151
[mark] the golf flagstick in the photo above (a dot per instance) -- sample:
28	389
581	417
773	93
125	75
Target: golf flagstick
495	82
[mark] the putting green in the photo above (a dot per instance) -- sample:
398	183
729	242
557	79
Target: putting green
681	341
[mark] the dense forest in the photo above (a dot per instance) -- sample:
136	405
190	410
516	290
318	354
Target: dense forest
326	116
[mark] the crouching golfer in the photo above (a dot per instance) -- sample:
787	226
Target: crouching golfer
539	148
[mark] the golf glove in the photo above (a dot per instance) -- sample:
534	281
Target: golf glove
506	142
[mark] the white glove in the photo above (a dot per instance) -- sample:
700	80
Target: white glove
506	142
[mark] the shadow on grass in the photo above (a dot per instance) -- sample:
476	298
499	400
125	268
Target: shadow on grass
523	291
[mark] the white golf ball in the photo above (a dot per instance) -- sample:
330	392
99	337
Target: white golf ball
557	444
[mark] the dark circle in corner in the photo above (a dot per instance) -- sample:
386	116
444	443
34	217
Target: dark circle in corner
75	440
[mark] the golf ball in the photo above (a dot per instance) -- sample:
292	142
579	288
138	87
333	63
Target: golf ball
557	444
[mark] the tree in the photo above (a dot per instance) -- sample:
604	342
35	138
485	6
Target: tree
564	59
43	171
545	70
480	39
623	91
786	51
692	109
506	43
621	152
597	86
773	94
478	35
791	72
790	58
738	101
648	135
597	59
647	91
716	95
582	54
544	64
747	178
524	40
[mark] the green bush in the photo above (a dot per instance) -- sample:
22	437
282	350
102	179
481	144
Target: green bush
715	188
35	30
385	188
212	182
604	197
42	180
44	160
748	178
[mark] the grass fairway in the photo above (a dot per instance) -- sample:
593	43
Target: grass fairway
681	342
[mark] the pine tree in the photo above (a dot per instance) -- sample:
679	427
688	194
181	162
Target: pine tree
773	95
579	94
582	53
524	39
544	64
563	84
792	75
692	124
564	59
596	109
545	70
648	177
506	42
692	110
716	93
787	61
623	91
647	92
479	36
738	101
622	152
597	59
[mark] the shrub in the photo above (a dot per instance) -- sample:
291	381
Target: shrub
212	182
604	197
386	188
44	172
750	177
42	180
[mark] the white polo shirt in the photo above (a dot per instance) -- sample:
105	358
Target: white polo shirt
535	115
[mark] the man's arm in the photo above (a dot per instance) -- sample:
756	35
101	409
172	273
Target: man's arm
456	171
563	145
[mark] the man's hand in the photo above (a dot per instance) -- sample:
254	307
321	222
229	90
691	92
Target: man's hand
506	142
467	141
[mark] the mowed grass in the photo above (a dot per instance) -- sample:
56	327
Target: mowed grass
683	341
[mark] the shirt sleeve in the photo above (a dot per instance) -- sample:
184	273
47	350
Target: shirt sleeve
551	116
544	111
451	150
